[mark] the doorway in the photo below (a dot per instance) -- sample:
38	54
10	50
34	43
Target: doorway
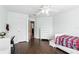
31	30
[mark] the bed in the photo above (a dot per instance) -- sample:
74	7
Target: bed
67	43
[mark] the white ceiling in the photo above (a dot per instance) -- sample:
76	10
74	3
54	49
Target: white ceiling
35	9
55	9
27	9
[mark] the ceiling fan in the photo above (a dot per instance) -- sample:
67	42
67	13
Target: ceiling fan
44	9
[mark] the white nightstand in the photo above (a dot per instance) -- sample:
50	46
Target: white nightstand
52	43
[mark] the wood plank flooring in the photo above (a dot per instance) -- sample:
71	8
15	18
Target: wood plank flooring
36	47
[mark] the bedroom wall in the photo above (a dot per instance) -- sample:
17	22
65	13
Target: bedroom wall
67	22
18	26
45	25
3	18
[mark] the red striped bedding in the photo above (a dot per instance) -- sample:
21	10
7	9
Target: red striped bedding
68	41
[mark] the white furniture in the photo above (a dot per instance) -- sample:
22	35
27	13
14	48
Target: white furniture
5	46
52	43
66	49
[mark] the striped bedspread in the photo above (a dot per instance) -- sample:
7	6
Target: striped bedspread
68	41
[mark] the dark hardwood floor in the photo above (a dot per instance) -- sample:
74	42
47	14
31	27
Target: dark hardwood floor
36	47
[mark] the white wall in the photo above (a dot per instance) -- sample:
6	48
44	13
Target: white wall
18	26
3	18
67	22
5	42
46	27
32	19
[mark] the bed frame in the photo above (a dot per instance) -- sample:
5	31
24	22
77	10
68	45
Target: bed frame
66	49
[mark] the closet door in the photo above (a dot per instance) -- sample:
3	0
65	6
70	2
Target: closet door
46	27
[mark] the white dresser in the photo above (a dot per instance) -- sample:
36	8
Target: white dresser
5	46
